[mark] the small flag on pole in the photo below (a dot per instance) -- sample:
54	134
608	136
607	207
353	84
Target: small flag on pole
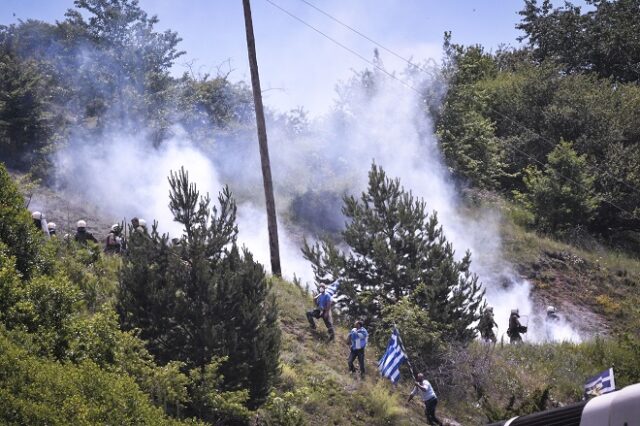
389	364
600	384
332	288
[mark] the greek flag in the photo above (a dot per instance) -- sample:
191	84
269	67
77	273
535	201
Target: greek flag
600	384
332	288
389	364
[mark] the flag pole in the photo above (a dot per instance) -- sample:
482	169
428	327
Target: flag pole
413	374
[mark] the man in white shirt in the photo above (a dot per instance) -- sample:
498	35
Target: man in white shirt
428	396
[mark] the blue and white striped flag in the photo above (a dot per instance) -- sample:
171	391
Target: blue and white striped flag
389	364
600	384
332	288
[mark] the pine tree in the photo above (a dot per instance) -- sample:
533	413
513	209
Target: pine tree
399	252
202	297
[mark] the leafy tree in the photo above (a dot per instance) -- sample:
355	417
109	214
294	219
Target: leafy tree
16	228
130	63
561	197
208	105
202	297
466	134
26	124
397	251
601	41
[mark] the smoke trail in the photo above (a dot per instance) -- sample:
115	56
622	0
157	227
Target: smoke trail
375	119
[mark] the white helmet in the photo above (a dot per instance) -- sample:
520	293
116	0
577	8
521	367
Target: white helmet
36	215
115	227
551	309
81	224
51	226
515	311
142	223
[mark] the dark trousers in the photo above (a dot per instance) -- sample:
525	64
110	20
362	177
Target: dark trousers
317	313
430	411
356	353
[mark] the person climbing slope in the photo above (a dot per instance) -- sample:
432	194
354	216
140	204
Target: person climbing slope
428	396
322	310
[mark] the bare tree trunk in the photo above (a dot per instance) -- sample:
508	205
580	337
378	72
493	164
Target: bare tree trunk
262	140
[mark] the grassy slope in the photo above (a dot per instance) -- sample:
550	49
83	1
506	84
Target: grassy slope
600	286
316	377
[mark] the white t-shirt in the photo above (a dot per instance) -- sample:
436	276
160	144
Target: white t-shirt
426	394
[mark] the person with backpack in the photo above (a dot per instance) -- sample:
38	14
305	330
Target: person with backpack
114	244
515	327
357	340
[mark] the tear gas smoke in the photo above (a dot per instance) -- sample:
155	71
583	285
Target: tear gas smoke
332	155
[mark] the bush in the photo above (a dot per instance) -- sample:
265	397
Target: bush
562	196
39	391
17	232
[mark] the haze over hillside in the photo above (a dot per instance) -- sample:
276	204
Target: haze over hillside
504	178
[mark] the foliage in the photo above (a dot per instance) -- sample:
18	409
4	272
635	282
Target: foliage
281	411
398	251
16	227
466	135
561	196
105	66
506	112
600	41
202	296
35	390
212	405
26	126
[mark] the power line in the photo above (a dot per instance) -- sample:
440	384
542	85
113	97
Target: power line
513	121
614	205
364	36
348	49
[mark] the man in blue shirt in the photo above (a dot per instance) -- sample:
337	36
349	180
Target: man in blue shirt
357	340
428	396
322	310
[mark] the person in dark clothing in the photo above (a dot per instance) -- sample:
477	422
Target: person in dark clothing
322	310
114	242
486	325
357	340
428	396
515	328
82	235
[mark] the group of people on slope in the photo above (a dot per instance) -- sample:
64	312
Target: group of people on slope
114	242
357	340
515	330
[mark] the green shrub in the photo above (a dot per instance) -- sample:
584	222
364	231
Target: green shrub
22	239
36	390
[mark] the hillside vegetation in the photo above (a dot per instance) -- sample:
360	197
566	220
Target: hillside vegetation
82	352
192	329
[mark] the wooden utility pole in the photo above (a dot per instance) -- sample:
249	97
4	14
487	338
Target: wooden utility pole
262	140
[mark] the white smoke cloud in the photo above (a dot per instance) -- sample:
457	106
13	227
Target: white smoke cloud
127	177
